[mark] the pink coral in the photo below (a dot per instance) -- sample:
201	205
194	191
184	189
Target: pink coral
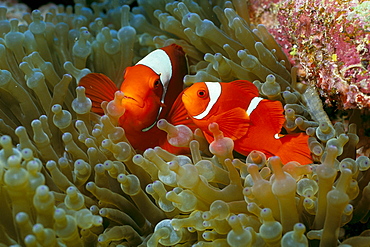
329	41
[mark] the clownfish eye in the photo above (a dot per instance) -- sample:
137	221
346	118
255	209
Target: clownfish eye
157	83
201	93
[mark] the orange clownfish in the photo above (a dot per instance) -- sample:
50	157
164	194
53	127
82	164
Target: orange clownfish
150	90
252	122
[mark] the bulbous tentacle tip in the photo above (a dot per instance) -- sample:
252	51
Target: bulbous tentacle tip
221	146
178	136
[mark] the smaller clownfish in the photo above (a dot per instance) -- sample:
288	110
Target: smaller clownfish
151	88
252	122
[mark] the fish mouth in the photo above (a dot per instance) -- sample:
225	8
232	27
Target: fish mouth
188	102
140	104
128	97
185	99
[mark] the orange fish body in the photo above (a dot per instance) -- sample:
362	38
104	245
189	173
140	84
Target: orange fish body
150	90
252	122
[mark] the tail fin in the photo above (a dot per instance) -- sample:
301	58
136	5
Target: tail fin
295	148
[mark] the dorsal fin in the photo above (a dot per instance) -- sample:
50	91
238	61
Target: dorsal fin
246	86
98	88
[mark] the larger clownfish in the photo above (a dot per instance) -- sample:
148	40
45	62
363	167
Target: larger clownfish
150	88
252	122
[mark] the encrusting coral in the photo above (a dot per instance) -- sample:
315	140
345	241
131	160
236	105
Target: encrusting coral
69	177
331	50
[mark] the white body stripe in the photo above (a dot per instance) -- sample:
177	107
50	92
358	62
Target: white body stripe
253	105
160	63
277	136
214	91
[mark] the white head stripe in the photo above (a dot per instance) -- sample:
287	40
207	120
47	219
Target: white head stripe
253	105
214	91
160	63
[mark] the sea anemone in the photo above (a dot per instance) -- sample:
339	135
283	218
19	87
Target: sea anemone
70	177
